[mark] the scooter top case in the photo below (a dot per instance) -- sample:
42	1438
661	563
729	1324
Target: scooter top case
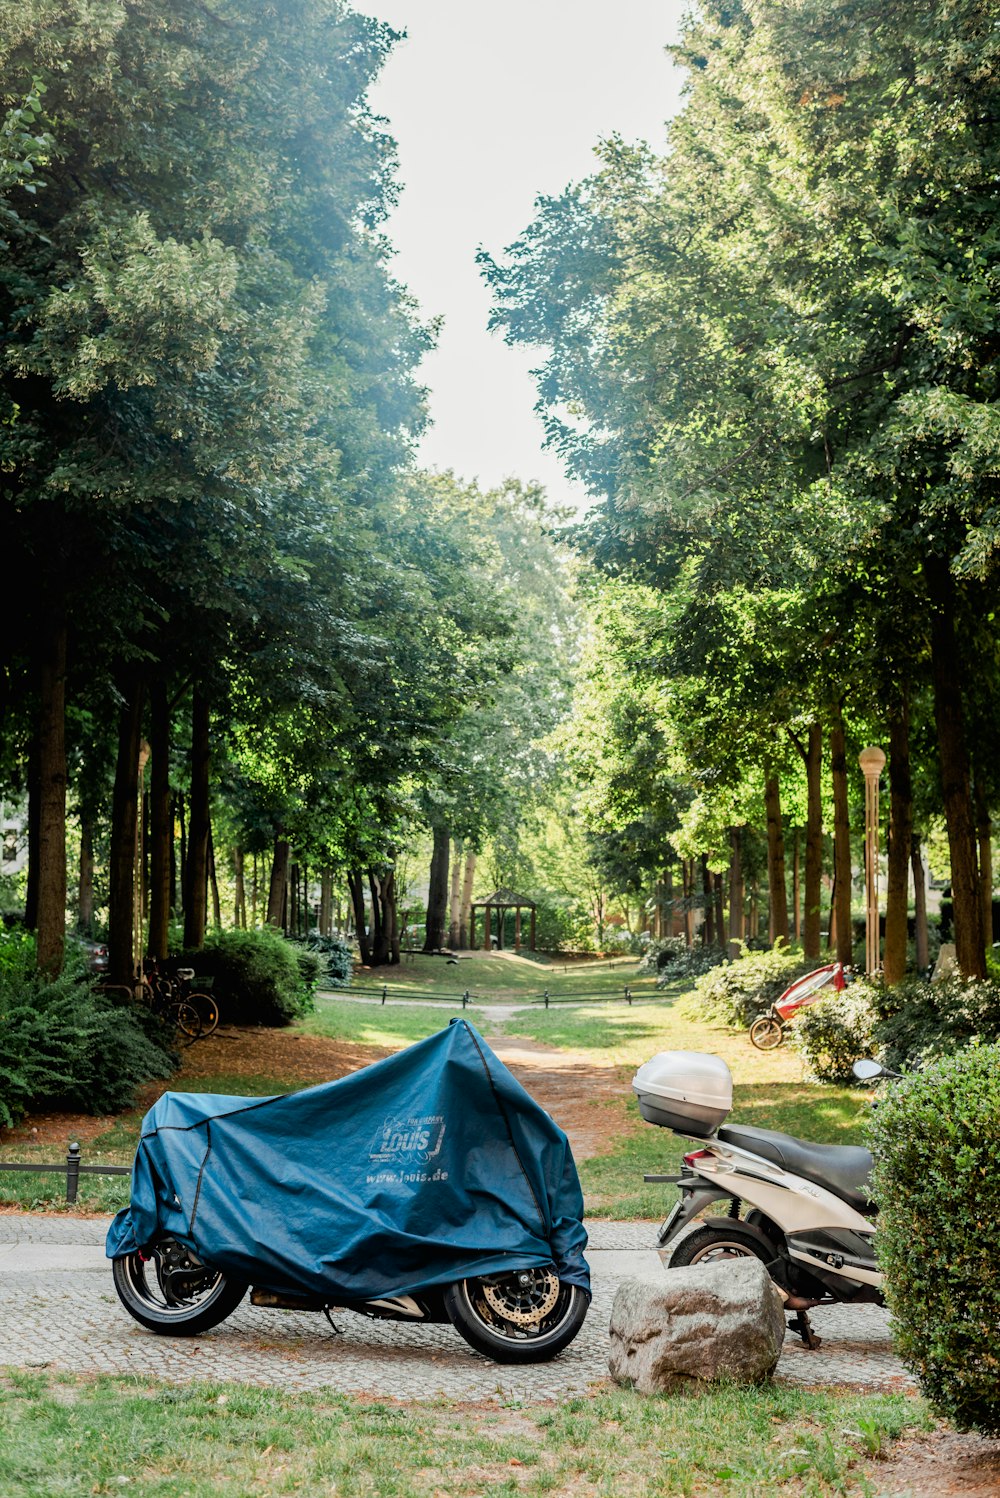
686	1091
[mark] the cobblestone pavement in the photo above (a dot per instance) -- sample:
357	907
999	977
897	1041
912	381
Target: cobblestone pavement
58	1308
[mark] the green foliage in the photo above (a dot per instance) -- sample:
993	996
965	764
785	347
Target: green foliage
737	992
671	958
938	1192
258	977
64	1044
833	1033
917	1020
326	962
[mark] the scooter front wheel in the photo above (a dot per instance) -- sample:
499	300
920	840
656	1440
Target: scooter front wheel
172	1292
730	1240
766	1033
525	1317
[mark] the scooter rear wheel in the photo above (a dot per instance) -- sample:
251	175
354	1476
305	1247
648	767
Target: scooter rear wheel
172	1292
766	1033
525	1317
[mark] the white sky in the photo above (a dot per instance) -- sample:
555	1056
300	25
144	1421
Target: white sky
492	106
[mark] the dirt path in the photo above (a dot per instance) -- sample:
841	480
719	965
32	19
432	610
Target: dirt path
569	1085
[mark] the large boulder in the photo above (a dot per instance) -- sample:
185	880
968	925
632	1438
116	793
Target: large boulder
713	1321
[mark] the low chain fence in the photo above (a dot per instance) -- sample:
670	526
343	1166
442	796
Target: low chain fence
73	1169
386	991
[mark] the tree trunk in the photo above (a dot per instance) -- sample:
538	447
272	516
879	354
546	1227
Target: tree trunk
199	828
437	896
720	911
85	894
239	890
326	903
465	922
777	893
455	900
380	933
900	843
390	908
708	924
124	819
735	894
278	883
214	881
796	888
688	877
841	840
984	836
814	841
34	801
355	883
51	845
179	875
161	825
920	905
949	716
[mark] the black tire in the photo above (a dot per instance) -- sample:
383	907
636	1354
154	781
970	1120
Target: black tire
172	1292
208	1012
185	1019
526	1294
766	1033
727	1240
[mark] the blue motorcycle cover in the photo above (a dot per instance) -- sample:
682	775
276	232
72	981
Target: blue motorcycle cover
426	1168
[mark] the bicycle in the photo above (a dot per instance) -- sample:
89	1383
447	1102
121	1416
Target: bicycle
159	998
197	1013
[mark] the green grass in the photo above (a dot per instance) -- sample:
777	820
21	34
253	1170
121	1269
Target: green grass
74	1436
500	977
391	1026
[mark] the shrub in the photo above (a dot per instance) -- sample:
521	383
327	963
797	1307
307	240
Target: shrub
834	1032
63	1044
736	992
257	977
917	1020
671	958
326	962
938	1192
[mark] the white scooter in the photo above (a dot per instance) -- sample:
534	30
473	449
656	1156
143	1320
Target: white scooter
802	1208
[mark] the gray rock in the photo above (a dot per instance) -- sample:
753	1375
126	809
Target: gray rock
706	1322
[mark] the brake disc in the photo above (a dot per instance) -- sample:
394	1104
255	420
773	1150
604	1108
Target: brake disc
524	1298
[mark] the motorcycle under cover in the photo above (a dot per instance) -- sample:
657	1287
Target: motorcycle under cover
426	1168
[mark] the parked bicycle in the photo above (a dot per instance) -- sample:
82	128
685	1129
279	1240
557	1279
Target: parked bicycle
174	994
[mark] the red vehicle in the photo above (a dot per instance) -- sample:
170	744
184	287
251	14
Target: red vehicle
768	1030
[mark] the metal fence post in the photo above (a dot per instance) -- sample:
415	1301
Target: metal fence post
465	998
384	992
546	998
628	994
72	1171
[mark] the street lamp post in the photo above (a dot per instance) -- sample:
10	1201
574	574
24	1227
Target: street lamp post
872	762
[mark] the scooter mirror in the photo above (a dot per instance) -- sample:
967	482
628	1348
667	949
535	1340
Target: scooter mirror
867	1071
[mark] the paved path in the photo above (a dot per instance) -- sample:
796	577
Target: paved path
58	1309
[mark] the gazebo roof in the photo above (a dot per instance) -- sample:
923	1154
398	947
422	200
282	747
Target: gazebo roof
506	897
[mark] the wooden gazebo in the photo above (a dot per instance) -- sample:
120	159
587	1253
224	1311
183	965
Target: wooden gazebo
502	901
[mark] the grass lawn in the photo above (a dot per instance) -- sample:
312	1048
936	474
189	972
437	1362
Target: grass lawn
80	1436
498	976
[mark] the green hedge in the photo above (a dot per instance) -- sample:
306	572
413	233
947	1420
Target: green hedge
62	1044
258	978
833	1033
934	1137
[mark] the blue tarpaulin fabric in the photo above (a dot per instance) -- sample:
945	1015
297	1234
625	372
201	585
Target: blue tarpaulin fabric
426	1168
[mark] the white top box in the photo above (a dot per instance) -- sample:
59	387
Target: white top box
690	1092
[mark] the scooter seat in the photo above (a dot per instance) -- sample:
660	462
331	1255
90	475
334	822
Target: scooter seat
841	1168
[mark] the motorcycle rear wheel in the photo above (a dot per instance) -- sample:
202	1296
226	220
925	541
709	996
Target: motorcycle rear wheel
525	1317
171	1292
766	1033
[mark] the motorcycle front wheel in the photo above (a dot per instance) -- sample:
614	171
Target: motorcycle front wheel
525	1317
172	1292
766	1033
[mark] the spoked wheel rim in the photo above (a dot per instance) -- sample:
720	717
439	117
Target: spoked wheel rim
722	1248
185	1019
766	1033
171	1282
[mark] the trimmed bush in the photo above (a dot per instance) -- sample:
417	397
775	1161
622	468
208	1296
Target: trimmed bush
257	977
834	1032
736	992
63	1044
938	1191
917	1021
